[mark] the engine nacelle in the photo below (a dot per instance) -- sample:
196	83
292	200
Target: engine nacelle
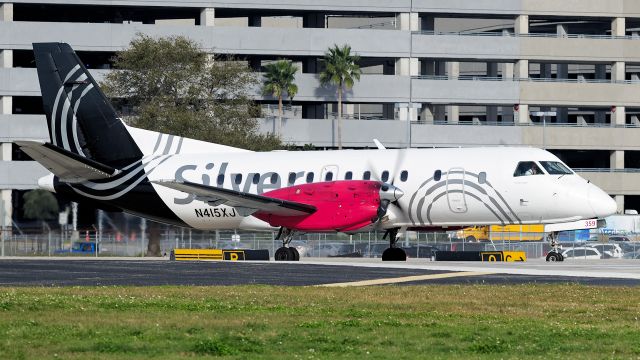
345	205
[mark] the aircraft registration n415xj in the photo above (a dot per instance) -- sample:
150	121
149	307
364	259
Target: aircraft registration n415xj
96	158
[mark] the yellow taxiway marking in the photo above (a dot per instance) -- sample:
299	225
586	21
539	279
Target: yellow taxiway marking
407	279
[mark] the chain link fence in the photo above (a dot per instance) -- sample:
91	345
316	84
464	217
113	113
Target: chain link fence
370	244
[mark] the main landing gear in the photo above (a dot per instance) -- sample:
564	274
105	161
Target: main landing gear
393	253
555	254
286	253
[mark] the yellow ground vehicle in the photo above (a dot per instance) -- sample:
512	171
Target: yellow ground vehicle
499	233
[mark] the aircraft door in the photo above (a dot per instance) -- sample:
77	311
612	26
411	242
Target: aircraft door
455	187
329	173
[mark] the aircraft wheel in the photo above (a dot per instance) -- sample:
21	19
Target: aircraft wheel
560	257
554	256
283	254
295	255
394	254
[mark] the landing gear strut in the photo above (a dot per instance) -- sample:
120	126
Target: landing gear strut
555	254
393	253
286	253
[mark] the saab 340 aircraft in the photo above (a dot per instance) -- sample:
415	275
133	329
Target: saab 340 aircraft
96	158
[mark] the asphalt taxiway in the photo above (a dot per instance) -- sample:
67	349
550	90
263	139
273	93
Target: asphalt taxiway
309	272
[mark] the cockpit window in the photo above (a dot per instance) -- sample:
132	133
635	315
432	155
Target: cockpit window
556	168
527	168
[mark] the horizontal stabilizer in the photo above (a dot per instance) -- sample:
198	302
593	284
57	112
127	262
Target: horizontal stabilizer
67	166
245	202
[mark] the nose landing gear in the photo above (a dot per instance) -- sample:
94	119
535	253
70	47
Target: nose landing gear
555	254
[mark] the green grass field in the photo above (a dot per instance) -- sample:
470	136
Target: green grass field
441	322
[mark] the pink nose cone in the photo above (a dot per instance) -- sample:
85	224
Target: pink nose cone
46	183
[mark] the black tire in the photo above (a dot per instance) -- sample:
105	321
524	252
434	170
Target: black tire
560	257
283	254
394	254
295	255
553	257
401	255
471	239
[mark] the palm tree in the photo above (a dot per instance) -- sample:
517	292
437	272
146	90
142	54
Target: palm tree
341	70
279	79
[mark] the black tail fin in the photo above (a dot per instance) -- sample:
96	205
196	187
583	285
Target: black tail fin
79	115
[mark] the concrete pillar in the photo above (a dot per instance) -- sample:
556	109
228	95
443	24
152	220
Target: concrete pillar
348	110
453	111
562	30
618	115
5	152
618	71
522	114
453	114
617	159
314	20
6	12
6	104
620	202
521	25
255	21
207	17
619	27
407	67
427	113
7	209
408	22
522	69
508	71
6	58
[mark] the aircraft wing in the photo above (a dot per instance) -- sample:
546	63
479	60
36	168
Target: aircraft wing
245	203
67	166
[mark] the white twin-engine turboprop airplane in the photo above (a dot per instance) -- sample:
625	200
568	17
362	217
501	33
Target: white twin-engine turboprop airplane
95	157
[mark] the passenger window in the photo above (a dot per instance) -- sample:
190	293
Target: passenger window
385	176
274	178
238	179
482	177
404	175
310	178
527	168
292	178
328	176
256	179
366	175
220	180
437	175
348	175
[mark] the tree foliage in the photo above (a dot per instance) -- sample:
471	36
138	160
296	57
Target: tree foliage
175	87
40	205
341	70
279	79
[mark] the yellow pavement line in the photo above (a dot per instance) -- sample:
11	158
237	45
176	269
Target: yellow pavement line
407	279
